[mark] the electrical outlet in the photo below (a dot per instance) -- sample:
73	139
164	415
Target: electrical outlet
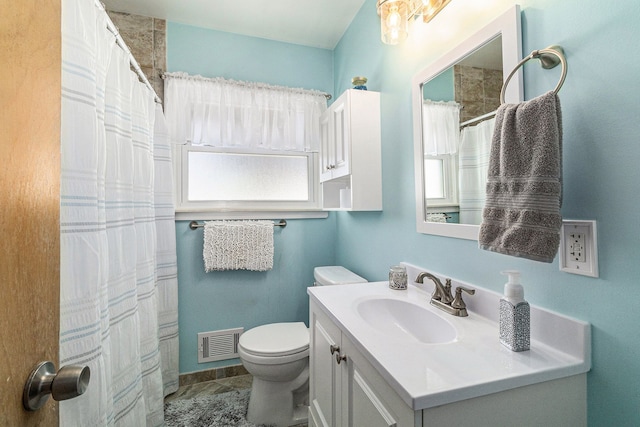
578	248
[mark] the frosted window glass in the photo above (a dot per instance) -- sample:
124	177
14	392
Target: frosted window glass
247	177
434	178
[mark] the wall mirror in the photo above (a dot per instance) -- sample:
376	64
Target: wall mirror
454	101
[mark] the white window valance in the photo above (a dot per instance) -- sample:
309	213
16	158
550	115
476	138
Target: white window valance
440	127
226	113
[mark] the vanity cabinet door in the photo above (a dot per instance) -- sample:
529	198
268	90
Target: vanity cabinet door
367	399
344	388
325	390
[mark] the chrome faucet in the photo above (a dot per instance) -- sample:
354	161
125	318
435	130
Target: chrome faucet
442	297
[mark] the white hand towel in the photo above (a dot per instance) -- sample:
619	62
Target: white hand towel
238	245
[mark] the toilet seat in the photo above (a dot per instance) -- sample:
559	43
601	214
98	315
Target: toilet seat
275	343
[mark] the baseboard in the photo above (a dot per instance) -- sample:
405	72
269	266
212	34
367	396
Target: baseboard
212	374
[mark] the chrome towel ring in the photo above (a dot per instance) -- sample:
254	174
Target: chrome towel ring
549	58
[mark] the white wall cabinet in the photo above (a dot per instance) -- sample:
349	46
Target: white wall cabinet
352	393
350	152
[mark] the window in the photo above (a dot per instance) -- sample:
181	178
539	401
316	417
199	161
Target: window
440	181
242	148
215	179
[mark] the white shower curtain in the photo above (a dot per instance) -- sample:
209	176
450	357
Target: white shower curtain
166	263
475	146
118	269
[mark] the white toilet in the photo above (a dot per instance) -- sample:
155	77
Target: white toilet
277	355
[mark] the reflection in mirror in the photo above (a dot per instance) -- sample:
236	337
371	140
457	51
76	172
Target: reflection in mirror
454	107
458	109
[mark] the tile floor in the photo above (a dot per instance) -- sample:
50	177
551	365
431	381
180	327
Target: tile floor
218	386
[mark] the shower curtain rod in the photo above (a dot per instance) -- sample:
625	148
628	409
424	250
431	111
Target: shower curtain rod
136	67
478	119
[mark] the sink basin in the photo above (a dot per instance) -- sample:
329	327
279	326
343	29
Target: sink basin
403	319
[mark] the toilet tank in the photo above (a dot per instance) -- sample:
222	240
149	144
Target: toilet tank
335	275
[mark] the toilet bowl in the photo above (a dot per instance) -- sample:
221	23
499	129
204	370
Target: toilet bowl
277	356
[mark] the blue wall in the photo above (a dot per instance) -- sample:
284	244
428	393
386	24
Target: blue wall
218	54
441	87
601	177
222	300
231	299
600	100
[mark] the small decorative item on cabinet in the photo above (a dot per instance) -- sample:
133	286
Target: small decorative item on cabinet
359	83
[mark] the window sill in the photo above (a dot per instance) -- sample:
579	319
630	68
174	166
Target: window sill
434	208
192	214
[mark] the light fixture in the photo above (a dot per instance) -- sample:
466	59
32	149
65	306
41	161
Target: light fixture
395	15
430	8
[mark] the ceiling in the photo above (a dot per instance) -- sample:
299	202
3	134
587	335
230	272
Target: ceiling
315	23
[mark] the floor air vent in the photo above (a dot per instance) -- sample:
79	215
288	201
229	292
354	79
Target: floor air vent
218	345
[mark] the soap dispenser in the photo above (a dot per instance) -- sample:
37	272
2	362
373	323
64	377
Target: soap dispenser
514	314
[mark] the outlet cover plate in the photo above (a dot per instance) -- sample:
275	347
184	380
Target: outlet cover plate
579	247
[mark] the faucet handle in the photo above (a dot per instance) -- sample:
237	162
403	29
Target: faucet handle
457	301
447	290
443	292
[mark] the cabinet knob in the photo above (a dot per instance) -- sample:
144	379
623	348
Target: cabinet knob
334	348
341	358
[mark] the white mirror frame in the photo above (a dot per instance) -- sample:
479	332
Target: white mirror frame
507	25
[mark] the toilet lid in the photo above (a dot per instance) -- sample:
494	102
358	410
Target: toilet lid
276	339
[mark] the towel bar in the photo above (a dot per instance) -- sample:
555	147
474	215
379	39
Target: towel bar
549	58
194	225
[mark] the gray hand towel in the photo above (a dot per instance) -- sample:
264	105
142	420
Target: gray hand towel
522	216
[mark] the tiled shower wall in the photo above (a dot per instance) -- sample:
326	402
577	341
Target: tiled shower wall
147	40
477	89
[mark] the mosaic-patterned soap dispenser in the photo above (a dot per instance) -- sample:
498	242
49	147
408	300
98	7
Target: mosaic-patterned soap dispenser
514	314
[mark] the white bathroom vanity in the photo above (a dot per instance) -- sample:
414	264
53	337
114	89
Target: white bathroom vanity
382	357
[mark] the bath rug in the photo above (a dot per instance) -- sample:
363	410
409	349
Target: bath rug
213	410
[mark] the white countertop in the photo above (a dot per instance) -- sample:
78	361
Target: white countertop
475	363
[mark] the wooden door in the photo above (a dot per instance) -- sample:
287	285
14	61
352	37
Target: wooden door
30	41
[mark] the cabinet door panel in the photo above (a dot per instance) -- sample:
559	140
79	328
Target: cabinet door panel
341	139
365	407
325	392
326	147
350	393
368	399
